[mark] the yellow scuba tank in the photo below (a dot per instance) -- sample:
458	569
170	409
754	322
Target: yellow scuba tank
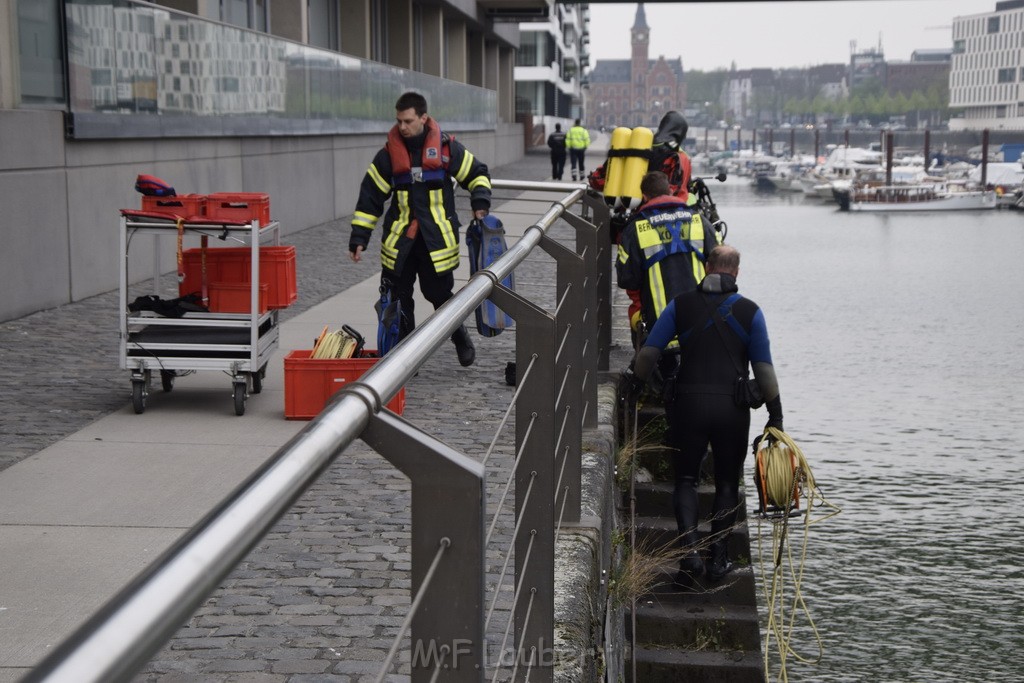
636	167
615	166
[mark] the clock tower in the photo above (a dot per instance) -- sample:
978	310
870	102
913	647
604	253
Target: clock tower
639	65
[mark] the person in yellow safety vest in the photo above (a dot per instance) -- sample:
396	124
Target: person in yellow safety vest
421	229
663	249
577	140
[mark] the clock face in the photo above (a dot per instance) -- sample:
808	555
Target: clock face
641	36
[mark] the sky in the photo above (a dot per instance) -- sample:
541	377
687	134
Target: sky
710	35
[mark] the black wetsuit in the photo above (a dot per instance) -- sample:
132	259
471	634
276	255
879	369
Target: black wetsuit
703	411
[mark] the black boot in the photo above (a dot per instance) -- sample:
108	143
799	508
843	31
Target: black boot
691	568
464	347
718	563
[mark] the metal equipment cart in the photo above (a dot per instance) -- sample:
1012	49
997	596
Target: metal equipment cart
238	344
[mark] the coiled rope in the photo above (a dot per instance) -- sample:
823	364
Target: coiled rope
785	477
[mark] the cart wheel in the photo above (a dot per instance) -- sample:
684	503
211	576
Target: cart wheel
139	396
167	379
257	379
239	398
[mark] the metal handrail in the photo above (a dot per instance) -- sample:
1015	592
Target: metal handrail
124	634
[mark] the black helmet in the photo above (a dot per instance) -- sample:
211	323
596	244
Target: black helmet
671	130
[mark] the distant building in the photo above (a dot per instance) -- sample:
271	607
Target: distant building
865	66
987	72
926	69
749	97
550	63
637	91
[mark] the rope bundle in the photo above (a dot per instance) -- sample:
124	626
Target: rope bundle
785	477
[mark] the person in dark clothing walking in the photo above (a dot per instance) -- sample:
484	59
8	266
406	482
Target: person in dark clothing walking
421	229
704	409
556	141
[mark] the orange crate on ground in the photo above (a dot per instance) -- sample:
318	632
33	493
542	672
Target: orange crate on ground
234	264
235	297
185	206
239	206
310	382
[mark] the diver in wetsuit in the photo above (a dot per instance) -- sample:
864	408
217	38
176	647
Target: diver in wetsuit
703	409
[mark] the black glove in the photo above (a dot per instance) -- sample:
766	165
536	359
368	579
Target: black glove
631	386
774	420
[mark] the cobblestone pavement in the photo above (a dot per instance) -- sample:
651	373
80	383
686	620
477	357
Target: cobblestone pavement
323	595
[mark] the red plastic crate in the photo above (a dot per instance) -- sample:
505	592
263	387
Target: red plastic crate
310	382
235	297
234	264
239	206
185	206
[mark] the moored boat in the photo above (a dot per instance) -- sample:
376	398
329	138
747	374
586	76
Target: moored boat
923	197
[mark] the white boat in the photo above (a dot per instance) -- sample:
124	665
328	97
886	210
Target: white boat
1005	178
842	164
923	197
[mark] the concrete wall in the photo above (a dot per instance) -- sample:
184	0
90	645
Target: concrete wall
60	198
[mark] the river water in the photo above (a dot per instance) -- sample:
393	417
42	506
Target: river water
897	341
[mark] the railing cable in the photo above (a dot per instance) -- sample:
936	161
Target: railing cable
511	478
526	620
508	555
442	546
515	601
512	404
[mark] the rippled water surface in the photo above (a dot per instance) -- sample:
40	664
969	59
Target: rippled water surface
898	344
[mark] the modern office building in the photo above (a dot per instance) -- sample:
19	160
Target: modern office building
986	79
636	91
550	66
288	97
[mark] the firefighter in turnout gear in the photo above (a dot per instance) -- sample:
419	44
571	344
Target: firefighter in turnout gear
420	235
663	250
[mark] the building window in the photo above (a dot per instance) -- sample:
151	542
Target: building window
323	24
959	46
1006	75
993	25
378	31
41	52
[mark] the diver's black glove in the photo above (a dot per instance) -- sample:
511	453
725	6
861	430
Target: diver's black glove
631	386
774	420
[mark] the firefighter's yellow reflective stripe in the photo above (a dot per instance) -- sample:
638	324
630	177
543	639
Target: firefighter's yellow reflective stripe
623	254
657	288
365	220
447	257
696	246
387	262
467	164
390	244
691	199
382	185
480	181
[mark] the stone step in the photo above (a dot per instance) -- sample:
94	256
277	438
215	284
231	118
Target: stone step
690	625
737	588
660	533
654	499
660	665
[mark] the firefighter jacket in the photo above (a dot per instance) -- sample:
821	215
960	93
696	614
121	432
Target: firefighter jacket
662	253
417	173
577	138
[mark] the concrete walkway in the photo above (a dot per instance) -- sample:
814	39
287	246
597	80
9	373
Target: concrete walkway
322	596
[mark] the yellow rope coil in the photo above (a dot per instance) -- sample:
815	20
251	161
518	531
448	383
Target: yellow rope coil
786	477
